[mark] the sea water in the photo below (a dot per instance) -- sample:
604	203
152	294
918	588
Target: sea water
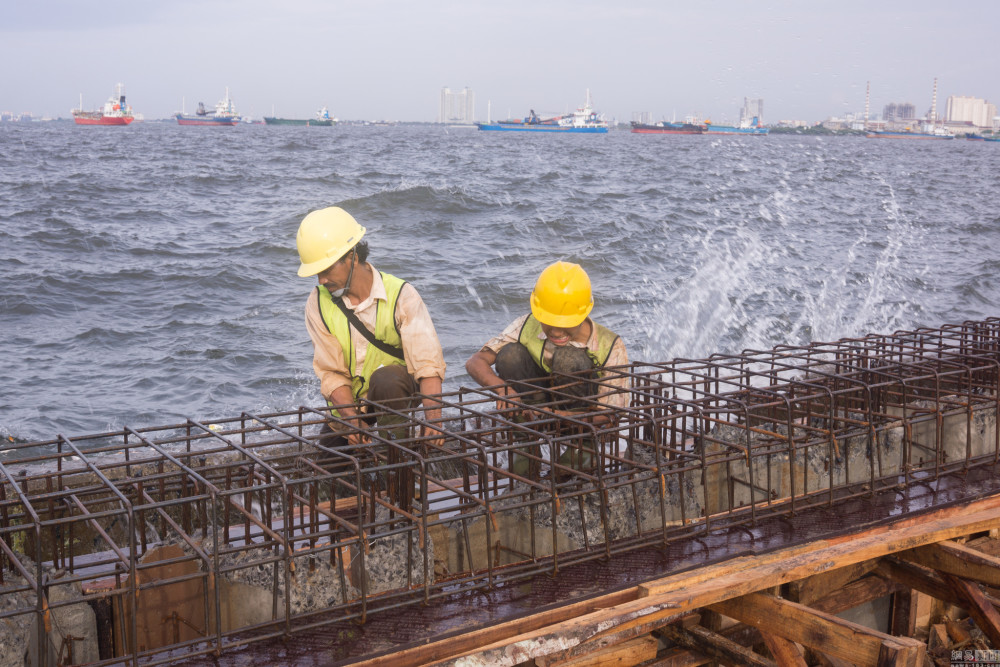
148	273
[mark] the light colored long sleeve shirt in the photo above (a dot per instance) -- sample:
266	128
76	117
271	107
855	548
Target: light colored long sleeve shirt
421	347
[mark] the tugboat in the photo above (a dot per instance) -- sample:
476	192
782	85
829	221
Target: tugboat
225	114
114	111
583	120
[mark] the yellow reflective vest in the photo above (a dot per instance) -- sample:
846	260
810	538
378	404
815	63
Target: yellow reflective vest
532	328
385	331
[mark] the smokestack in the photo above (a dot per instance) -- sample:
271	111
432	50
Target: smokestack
868	99
934	104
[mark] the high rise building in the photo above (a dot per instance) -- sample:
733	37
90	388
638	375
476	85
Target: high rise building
752	108
961	109
901	111
457	107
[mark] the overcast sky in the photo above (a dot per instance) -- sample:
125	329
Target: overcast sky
389	59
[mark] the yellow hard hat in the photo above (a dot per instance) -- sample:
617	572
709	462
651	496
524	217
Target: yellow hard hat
562	296
324	237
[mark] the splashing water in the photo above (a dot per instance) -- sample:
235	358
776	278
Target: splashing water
172	292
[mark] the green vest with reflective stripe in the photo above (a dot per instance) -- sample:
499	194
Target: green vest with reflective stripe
532	328
385	331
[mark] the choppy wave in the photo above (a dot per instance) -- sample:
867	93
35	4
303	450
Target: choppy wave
148	274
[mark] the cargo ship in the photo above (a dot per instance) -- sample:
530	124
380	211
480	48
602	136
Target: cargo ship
225	114
583	121
753	128
885	134
322	119
114	112
929	129
665	127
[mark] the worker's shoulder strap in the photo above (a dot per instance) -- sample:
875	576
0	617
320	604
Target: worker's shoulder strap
363	330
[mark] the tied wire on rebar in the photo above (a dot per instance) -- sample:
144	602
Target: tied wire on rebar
160	529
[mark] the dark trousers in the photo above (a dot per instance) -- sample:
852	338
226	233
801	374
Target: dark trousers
391	386
515	365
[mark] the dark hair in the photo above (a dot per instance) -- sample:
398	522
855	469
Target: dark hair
362	248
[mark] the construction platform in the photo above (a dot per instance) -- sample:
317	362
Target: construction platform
727	512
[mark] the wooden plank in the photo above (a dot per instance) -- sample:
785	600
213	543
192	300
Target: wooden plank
713	644
684	592
903	613
626	654
856	593
957	631
711	620
808	590
988	545
830	661
957	559
680	657
832	635
937	639
896	654
753	573
980	609
468	641
918	578
786	653
926	581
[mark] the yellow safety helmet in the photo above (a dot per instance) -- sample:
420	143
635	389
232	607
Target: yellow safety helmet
324	237
562	296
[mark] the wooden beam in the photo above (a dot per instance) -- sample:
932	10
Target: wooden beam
626	654
957	559
753	573
918	578
710	620
786	653
680	657
896	654
714	644
830	661
903	613
819	630
808	590
443	648
856	593
988	545
926	581
979	607
670	597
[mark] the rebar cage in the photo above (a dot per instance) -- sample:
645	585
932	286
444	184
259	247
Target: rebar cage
199	537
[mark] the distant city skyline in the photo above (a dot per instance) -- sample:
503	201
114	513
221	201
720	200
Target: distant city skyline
457	106
388	59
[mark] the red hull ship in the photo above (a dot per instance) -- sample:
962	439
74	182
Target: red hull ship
114	112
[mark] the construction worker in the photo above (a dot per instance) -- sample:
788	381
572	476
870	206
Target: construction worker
372	334
557	337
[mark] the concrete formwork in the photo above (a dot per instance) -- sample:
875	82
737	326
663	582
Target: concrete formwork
267	526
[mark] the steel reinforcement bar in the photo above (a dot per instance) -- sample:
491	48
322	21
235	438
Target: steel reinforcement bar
197	537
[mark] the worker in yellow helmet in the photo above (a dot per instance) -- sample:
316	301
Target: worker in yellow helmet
372	334
556	337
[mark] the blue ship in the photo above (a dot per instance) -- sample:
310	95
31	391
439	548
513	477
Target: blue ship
582	121
753	128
